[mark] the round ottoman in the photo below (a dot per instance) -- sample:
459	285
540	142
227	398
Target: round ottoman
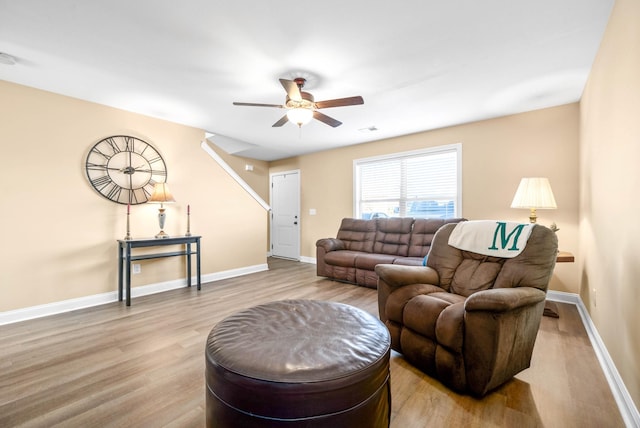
298	363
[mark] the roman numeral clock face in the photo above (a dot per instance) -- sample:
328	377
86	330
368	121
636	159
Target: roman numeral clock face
124	169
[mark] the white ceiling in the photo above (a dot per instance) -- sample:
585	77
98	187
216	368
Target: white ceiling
418	64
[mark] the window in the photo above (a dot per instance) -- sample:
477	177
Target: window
420	184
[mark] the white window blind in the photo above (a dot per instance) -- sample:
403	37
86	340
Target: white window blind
421	184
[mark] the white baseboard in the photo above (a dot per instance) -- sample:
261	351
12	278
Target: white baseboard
563	297
217	276
305	259
627	407
39	311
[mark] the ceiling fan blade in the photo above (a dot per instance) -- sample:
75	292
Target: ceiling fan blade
326	119
258	105
340	102
292	89
284	119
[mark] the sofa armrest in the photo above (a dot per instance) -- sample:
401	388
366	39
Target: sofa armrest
503	299
330	244
324	246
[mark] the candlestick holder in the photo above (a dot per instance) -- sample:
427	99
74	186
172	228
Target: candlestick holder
188	233
127	237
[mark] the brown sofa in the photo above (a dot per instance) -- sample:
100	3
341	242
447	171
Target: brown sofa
467	319
360	245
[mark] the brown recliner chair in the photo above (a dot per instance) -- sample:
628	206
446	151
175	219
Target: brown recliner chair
466	319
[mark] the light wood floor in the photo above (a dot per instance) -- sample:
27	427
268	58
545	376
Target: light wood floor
143	366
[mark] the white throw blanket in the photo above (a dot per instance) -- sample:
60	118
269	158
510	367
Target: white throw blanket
490	237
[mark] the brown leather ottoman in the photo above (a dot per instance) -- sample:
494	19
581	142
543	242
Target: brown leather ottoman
298	363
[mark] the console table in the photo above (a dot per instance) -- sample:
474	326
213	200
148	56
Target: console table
125	257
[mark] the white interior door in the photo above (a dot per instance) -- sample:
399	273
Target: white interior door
285	215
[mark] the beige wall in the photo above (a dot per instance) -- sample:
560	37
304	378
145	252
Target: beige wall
258	179
60	235
609	182
496	154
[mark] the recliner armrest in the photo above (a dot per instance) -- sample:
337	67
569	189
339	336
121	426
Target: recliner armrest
392	277
330	244
399	275
499	334
503	299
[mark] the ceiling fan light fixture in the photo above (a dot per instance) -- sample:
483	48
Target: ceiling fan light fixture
300	116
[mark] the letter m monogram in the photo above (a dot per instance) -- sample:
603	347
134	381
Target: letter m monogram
501	229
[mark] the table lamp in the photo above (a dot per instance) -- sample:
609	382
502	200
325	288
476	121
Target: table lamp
161	194
534	193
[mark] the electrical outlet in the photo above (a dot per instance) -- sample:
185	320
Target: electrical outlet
136	268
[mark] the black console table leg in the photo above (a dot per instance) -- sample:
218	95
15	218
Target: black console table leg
198	262
188	265
128	274
120	261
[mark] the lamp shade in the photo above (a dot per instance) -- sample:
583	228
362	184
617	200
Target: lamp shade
161	194
534	192
300	116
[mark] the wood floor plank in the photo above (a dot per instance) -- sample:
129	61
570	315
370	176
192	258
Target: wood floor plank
143	366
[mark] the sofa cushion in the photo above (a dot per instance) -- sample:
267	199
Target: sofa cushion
422	234
392	236
357	235
409	261
369	261
344	258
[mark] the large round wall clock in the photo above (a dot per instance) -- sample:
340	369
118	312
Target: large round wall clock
124	169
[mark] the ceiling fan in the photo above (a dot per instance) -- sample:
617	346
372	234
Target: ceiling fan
301	107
